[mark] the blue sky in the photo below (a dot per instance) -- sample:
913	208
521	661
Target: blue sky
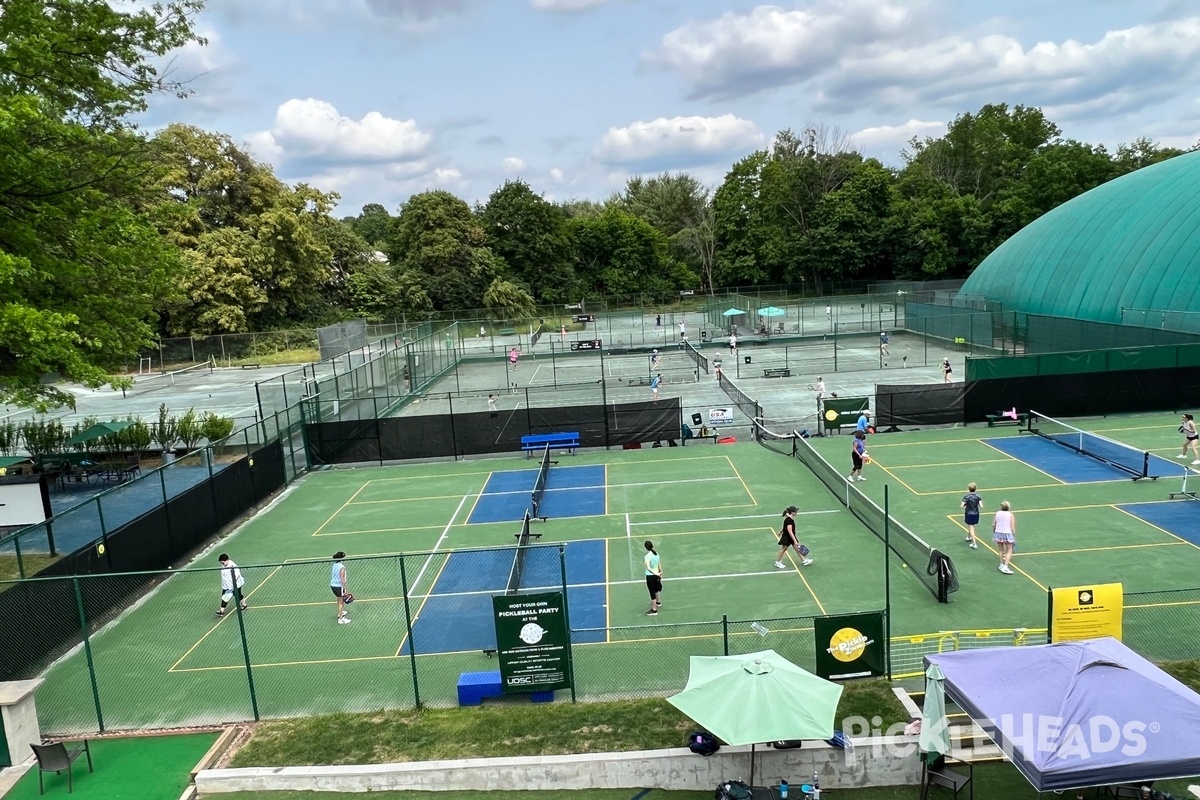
380	99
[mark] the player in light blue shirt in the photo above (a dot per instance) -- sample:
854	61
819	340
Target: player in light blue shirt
864	422
340	587
656	382
653	578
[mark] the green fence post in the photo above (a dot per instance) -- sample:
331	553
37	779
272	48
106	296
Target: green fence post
562	568
245	648
87	651
412	644
725	634
162	479
103	532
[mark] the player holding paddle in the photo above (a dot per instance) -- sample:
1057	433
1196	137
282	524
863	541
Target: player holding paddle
787	538
340	587
232	582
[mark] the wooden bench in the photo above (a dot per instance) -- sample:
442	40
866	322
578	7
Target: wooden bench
642	381
475	687
251	366
557	441
998	419
777	372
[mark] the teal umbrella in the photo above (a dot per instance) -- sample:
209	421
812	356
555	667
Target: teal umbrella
772	311
99	431
935	729
758	697
733	312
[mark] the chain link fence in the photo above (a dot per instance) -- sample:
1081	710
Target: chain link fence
1163	625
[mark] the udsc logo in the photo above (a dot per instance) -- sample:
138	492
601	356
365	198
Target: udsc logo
848	644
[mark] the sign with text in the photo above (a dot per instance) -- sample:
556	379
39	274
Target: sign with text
1085	612
533	644
584	317
850	646
686	293
586	344
843	412
720	416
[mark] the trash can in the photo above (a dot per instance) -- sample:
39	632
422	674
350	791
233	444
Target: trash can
746	359
703	335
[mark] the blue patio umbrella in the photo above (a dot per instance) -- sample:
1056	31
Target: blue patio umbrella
733	312
772	311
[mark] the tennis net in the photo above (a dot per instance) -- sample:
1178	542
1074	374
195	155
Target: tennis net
700	359
539	485
745	403
1118	454
514	577
914	552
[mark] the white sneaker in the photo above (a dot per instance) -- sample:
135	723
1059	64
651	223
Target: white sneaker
780	565
1005	570
861	478
1181	456
806	561
974	546
1197	461
343	620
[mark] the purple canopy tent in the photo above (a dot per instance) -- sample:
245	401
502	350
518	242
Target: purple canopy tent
1078	714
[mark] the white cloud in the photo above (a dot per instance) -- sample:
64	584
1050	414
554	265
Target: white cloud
678	140
568	6
556	175
314	130
859	54
410	16
888	140
514	164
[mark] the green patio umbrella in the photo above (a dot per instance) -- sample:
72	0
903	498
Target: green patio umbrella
772	311
758	697
935	729
733	312
99	430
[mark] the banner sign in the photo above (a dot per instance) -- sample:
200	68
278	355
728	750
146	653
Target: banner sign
687	293
1085	612
586	344
533	644
843	412
720	416
584	317
850	646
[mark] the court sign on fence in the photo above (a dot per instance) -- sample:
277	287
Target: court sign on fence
850	646
533	643
1085	612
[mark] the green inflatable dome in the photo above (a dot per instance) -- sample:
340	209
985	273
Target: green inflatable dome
1132	243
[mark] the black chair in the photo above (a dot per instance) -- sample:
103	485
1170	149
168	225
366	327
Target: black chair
938	774
56	758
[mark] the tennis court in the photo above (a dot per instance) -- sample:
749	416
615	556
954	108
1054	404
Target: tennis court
1081	518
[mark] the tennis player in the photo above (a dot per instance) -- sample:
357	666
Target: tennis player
1004	534
232	582
654	359
1190	437
655	383
972	503
858	455
947	371
337	582
513	354
653	578
787	538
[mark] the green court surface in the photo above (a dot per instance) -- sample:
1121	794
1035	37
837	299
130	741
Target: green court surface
134	768
432	543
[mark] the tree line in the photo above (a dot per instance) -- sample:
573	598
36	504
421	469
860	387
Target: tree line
111	237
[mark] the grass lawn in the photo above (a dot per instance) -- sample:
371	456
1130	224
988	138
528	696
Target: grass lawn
503	729
33	562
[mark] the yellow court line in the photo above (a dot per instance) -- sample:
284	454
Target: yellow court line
1025	463
1164	605
288	663
894	476
640	639
438	475
408	499
189	651
382	530
421	607
1096	549
685	508
1157	528
743	481
348	502
953	463
310	603
988	547
990	489
804	580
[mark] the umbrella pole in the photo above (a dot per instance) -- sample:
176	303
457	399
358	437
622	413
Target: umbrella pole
752	770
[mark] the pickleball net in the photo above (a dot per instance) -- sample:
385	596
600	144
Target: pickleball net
700	359
539	485
920	558
518	566
1117	454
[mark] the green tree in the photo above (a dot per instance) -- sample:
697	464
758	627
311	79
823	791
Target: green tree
530	234
441	244
257	250
678	207
739	230
507	301
373	224
620	254
80	272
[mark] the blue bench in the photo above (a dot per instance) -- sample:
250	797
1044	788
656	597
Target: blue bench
475	687
560	441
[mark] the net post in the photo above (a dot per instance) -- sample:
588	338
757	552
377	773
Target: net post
408	626
887	574
725	634
87	650
562	569
1049	615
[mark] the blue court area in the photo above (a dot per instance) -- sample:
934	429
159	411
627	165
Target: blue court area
1178	517
457	614
570	492
1070	466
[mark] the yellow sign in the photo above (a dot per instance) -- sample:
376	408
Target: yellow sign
1086	612
831	414
848	645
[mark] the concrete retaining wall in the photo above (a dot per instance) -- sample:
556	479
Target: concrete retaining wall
878	761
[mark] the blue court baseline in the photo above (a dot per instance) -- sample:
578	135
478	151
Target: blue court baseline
1179	517
1057	460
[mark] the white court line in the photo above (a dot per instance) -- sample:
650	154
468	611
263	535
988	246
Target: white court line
591	486
729	519
635	582
442	538
534	375
504	427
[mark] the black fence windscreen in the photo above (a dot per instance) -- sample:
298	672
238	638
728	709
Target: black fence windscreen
936	404
480	432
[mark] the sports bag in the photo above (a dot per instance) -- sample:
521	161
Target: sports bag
732	790
702	743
